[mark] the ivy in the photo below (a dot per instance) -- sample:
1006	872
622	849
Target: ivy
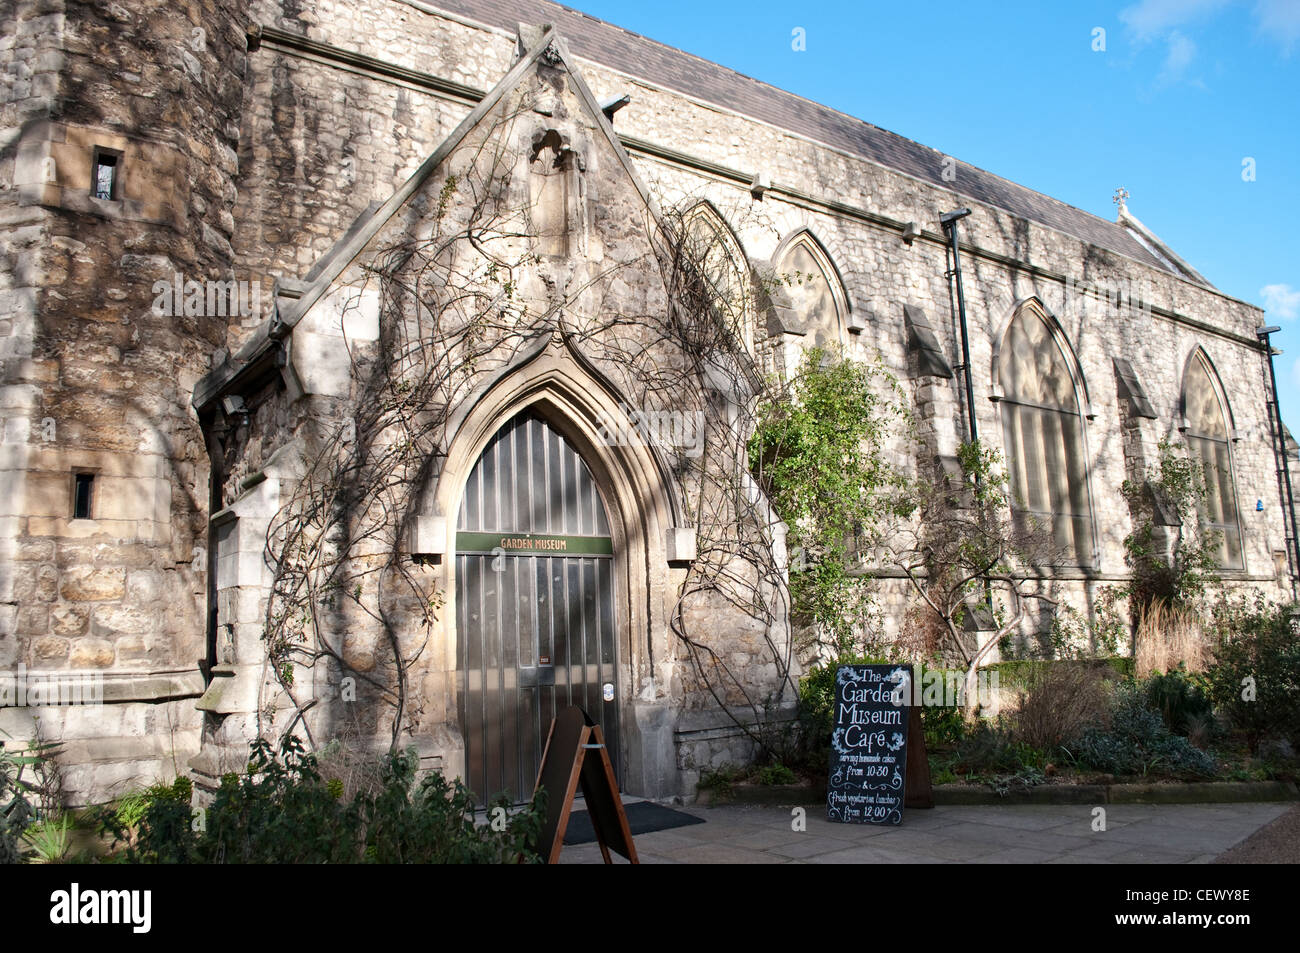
1171	563
818	453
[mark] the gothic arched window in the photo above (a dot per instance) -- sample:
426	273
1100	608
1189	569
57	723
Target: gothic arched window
817	303
713	249
1042	424
1207	431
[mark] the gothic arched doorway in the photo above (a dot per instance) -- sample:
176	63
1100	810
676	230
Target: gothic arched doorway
535	610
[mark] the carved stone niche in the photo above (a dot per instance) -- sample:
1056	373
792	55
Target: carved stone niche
557	195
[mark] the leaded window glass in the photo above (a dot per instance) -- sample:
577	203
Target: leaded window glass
1043	428
1207	436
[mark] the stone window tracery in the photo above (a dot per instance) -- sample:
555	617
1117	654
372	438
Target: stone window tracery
713	248
1208	433
1043	430
817	302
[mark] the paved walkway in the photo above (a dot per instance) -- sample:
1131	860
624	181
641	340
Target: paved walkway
1135	833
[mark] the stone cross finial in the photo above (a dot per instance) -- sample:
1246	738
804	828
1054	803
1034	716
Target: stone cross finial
1121	197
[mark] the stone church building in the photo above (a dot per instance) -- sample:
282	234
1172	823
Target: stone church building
332	333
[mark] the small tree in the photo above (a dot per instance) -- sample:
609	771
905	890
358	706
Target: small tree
1256	676
964	552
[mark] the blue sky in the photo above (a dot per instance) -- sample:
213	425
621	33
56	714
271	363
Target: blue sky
1184	92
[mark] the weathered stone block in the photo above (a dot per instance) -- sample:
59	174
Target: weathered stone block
87	584
91	653
69	618
49	649
109	621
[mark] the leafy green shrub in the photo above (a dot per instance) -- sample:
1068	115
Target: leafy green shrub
1181	698
1176	576
282	811
50	839
1137	742
818	452
991	749
433	822
720	781
775	774
1255	678
1123	665
20	796
944	725
943	775
130	809
15	811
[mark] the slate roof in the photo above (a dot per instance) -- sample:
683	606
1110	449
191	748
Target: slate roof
635	55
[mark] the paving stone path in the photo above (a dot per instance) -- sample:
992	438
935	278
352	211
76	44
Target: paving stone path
1051	834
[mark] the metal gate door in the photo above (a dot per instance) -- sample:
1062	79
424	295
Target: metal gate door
534	605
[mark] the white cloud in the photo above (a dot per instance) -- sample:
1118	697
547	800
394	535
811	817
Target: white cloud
1279	20
1281	301
1149	19
1182	50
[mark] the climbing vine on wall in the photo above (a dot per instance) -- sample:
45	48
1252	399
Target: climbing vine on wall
1171	557
819	454
463	294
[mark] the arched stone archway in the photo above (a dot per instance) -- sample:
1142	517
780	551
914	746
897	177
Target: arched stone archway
644	514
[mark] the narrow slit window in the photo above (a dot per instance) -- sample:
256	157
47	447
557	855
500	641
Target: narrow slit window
106	168
83	496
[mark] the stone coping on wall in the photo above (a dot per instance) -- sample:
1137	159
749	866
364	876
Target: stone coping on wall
120	687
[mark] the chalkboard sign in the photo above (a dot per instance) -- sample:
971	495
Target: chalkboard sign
869	744
576	756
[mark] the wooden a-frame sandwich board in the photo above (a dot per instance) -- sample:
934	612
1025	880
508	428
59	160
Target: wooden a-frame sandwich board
575	754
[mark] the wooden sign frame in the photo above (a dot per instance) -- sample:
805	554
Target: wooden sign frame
919	793
577	746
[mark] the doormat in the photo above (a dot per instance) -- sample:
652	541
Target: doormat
643	817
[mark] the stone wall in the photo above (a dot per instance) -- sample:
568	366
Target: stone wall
856	210
96	381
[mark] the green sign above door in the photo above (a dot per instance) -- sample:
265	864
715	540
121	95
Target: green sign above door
533	544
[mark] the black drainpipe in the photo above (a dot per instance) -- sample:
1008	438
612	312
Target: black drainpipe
949	222
1275	422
